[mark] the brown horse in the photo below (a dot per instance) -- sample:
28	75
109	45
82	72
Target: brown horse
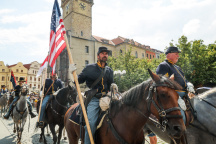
126	118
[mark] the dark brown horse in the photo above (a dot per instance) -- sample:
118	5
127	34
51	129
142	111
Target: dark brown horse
126	118
56	109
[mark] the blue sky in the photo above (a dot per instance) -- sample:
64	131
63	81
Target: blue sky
25	24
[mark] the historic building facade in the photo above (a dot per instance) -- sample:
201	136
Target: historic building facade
77	17
26	71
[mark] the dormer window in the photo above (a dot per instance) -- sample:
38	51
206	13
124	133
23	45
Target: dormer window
105	41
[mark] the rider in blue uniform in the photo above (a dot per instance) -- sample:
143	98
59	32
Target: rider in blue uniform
51	85
17	91
3	91
89	75
169	67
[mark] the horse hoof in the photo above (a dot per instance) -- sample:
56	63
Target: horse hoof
65	138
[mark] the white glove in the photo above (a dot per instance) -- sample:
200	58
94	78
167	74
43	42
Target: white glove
190	87
72	68
182	103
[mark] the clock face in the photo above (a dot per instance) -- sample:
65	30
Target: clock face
82	6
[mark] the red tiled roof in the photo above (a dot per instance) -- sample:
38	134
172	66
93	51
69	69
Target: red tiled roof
27	66
100	39
11	65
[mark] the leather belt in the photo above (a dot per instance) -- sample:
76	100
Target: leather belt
100	95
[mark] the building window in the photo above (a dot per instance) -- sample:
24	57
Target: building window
21	70
30	86
87	49
86	62
136	54
38	86
3	70
38	79
147	55
35	79
143	55
3	78
35	85
153	56
17	70
81	33
150	56
30	78
16	78
110	53
120	51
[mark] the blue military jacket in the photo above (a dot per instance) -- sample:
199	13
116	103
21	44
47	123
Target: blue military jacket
17	90
167	68
56	85
91	72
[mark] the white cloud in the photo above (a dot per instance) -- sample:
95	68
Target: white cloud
191	27
6	11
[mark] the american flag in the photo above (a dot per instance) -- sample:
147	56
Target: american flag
57	42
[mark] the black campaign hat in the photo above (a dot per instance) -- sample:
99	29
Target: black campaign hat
172	49
21	79
103	49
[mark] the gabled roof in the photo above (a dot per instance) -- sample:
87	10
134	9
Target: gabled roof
27	66
11	65
103	40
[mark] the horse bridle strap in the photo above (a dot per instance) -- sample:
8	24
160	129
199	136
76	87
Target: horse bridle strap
161	111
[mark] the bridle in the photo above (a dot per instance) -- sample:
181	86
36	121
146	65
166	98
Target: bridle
65	107
162	112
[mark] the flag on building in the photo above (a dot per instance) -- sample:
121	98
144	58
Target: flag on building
13	79
42	67
57	42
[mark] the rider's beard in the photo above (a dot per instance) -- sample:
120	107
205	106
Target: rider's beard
104	59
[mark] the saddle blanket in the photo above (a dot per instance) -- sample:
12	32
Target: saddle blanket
75	117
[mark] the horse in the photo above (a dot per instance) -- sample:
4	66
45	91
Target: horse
3	102
55	111
20	113
126	117
202	129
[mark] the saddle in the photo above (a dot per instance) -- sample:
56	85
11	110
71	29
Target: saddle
77	117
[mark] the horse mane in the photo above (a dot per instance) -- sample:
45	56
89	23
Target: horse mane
134	95
62	91
208	94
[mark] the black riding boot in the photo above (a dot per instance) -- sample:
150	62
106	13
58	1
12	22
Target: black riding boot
30	110
7	115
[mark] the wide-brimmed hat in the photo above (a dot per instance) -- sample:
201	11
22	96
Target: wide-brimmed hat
172	49
21	79
103	49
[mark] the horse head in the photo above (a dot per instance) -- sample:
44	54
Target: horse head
162	102
72	94
24	90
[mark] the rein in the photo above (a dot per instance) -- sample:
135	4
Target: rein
160	109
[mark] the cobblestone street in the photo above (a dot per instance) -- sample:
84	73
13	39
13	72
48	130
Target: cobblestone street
29	137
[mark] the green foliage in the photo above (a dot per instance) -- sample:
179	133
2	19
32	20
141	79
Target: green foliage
197	60
136	69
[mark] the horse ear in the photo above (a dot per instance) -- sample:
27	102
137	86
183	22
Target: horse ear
154	76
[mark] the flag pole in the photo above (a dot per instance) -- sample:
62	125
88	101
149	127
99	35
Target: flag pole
42	95
79	92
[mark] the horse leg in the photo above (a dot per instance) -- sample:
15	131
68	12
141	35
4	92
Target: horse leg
60	133
14	128
52	129
65	138
48	133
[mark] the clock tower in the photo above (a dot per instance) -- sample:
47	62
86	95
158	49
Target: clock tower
77	17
